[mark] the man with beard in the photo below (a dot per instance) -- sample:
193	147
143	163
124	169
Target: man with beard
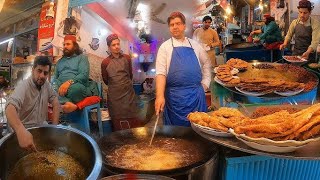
28	105
116	72
208	37
71	75
270	32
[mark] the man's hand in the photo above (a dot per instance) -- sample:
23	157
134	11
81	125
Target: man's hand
205	88
63	89
305	55
282	46
256	40
159	104
25	139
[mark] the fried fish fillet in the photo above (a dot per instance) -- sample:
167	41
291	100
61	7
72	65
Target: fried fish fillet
215	124
291	125
227	112
313	132
197	116
313	121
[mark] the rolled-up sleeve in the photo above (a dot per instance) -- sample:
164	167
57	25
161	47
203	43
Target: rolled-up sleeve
17	97
161	61
315	34
291	30
205	67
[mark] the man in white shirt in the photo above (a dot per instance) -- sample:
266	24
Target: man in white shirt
183	74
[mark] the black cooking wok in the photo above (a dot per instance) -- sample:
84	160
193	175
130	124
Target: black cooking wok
244	46
109	142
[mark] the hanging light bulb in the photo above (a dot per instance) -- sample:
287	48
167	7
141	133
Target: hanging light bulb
261	5
228	10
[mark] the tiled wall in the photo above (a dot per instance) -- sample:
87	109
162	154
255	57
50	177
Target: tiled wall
95	71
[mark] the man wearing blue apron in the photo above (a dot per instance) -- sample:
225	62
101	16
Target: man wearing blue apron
183	75
306	31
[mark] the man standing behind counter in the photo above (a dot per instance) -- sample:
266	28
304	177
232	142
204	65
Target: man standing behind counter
306	31
71	75
183	73
28	105
116	72
209	37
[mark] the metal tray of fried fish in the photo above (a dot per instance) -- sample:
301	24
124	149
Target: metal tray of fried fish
279	72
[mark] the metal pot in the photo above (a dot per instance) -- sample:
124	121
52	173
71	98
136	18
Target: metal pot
68	140
204	169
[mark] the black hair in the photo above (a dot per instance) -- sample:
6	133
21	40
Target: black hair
43	61
206	18
77	49
305	4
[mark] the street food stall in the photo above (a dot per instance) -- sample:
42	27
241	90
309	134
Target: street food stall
266	96
263	120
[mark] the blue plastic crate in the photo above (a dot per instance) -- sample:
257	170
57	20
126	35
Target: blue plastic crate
266	168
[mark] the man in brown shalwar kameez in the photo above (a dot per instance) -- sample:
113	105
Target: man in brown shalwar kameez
116	72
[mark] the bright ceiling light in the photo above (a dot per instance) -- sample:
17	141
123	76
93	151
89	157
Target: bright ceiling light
132	24
260	6
141	25
102	32
134	55
228	10
1	4
111	1
5	41
142	7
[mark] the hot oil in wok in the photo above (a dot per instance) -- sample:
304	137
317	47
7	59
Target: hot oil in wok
163	154
274	74
46	165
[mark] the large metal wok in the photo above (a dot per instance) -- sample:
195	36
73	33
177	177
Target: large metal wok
73	142
203	169
244	46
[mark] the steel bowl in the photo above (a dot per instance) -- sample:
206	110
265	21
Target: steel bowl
65	139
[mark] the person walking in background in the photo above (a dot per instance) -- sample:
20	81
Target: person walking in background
208	37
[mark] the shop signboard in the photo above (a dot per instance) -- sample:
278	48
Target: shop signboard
75	3
46	27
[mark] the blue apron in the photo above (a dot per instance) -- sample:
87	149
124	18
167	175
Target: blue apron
184	92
